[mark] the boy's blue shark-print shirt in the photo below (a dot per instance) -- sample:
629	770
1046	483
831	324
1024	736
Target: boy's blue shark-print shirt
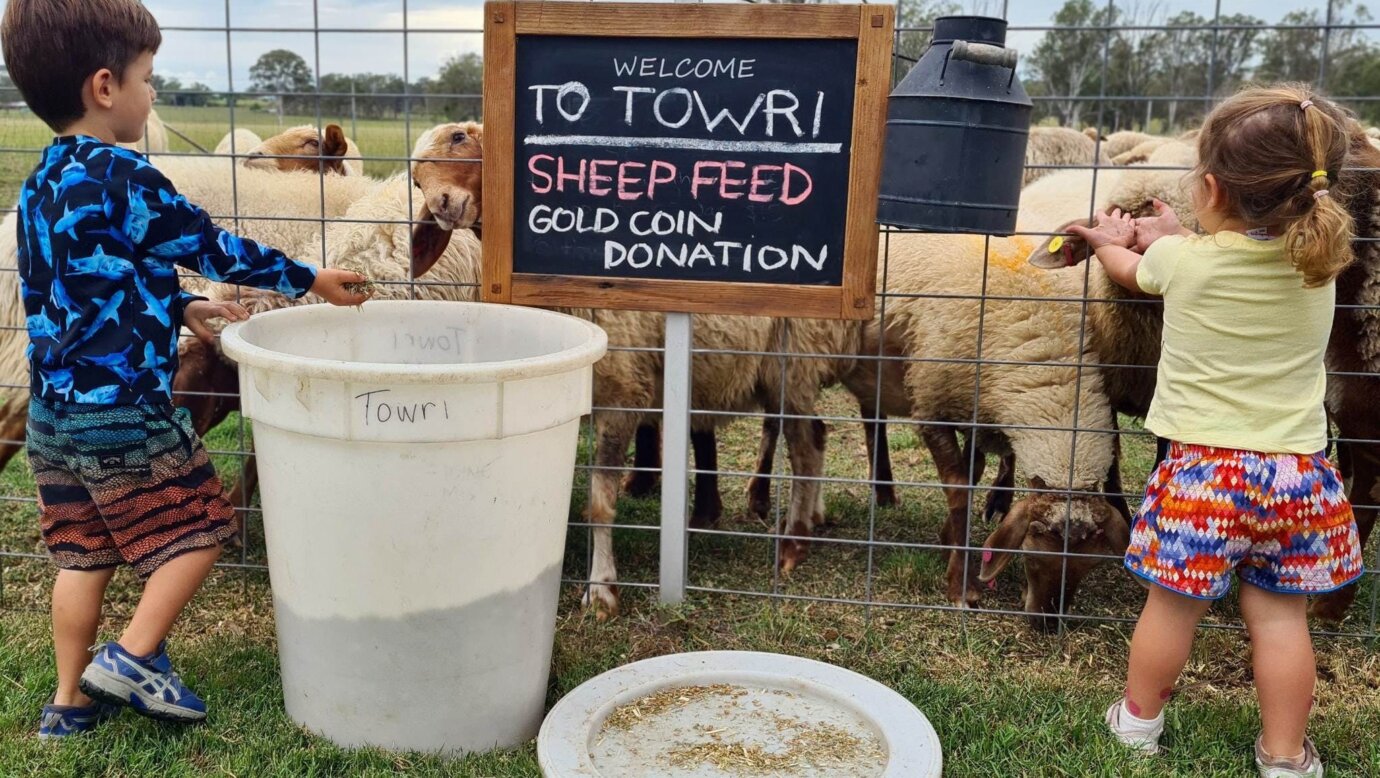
101	234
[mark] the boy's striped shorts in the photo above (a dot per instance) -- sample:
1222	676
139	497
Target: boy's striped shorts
123	484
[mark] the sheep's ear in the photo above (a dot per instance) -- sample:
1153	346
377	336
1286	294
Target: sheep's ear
1092	134
333	149
428	242
1062	250
1007	537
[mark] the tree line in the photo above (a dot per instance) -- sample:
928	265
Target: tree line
453	92
1137	66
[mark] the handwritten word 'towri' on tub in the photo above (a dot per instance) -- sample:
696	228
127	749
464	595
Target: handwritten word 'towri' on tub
380	409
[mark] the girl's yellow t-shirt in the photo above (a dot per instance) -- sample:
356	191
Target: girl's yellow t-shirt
1243	345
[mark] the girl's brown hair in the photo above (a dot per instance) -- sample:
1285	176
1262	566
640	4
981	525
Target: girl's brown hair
1277	152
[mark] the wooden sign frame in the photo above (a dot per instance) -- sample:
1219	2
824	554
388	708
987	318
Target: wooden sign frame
872	27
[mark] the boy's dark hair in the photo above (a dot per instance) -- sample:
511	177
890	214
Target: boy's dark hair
52	46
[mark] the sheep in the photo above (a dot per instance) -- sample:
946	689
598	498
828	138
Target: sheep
1121	142
724	382
1140	152
1059	146
1353	354
295	148
1025	410
1048	206
242	140
1123	325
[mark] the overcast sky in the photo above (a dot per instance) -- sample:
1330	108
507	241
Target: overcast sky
201	55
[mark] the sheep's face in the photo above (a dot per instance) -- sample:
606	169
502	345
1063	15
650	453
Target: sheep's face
205	384
1043	527
447	168
302	148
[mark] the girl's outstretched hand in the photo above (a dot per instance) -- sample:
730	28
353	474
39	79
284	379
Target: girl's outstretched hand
1109	229
1151	228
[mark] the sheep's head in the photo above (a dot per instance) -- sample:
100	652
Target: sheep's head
207	383
1043	526
1065	249
303	148
448	167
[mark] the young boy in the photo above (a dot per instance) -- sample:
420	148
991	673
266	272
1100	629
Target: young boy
122	479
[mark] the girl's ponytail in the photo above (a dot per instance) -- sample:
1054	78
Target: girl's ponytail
1319	241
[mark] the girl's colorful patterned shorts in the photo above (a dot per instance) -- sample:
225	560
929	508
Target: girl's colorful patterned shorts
127	484
1281	521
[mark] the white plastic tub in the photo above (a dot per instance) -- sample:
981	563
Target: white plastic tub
416	461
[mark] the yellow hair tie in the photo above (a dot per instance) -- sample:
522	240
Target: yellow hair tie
1319	174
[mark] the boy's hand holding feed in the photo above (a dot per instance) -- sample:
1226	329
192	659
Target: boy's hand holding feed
1113	229
331	286
1151	228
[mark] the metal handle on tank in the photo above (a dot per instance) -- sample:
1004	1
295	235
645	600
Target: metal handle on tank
984	54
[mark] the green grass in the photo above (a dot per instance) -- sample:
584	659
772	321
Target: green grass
1005	700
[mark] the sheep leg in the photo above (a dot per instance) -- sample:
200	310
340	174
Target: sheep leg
709	505
819	434
962	573
805	447
976	466
243	491
613	433
643	480
1115	491
759	486
878	455
1003	489
1161	450
1364	495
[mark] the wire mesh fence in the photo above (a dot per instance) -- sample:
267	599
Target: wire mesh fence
896	513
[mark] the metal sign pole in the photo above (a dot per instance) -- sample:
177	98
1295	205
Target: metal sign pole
675	440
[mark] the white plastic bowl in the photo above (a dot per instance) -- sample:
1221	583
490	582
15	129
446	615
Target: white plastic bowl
572	741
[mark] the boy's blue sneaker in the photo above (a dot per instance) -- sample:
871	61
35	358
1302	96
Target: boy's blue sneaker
149	685
60	721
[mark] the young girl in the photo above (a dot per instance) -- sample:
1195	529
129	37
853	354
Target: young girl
1245	488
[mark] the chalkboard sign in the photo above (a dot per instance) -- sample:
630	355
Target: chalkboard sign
701	158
